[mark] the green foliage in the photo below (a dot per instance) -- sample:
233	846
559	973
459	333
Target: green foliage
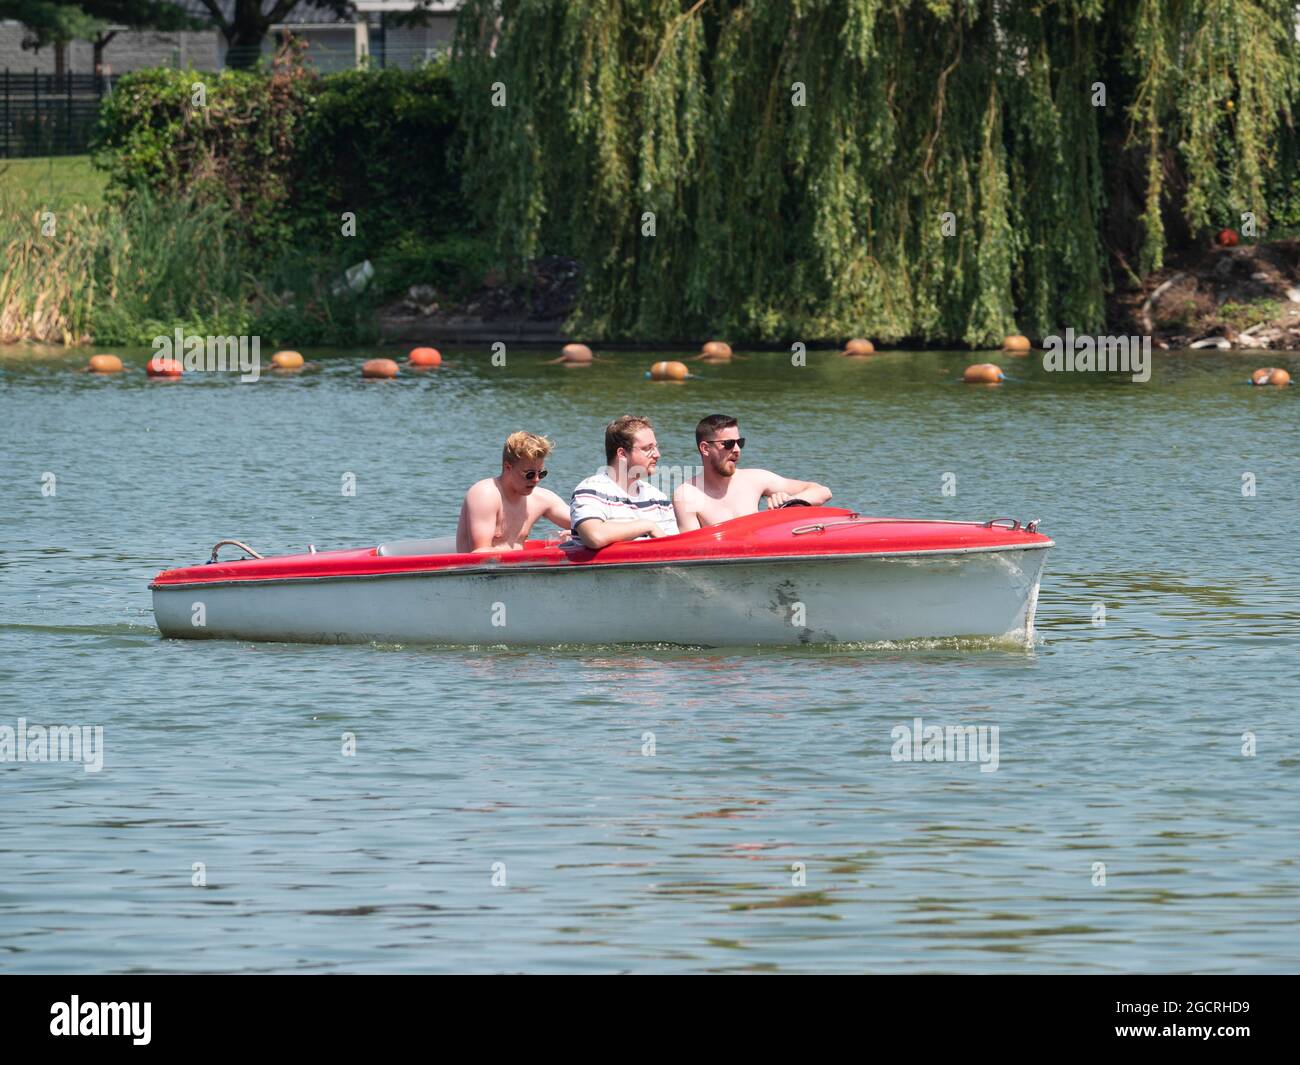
119	274
164	263
124	274
1244	315
295	302
455	264
51	22
287	155
380	144
226	139
225	210
777	220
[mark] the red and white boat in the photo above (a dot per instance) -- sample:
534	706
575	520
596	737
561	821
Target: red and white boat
815	575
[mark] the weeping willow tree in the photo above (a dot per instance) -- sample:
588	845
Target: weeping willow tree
939	169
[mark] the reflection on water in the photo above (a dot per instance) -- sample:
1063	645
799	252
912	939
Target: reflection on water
656	807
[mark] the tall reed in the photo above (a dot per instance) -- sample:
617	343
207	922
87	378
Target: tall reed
47	273
128	272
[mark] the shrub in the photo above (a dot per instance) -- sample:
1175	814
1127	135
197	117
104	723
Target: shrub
226	139
288	153
381	144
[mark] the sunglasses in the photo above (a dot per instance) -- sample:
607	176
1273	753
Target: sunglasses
534	475
727	445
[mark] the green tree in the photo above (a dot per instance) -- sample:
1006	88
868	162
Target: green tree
48	22
948	169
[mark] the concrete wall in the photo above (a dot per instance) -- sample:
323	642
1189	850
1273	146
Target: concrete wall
205	49
407	47
126	51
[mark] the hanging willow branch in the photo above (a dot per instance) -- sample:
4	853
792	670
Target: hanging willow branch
817	168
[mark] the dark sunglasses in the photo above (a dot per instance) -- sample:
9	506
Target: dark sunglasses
727	445
533	475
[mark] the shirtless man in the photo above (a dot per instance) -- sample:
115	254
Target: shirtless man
724	492
499	511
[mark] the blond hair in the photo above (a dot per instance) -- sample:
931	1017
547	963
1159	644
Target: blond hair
522	446
621	432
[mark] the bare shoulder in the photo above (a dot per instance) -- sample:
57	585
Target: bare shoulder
545	498
484	492
753	475
686	492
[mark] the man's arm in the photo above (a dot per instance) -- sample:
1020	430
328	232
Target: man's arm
480	508
779	490
556	511
596	533
688	517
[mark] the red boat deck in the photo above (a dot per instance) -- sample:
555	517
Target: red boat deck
790	533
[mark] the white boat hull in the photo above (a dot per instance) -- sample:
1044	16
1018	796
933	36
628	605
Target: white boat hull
768	601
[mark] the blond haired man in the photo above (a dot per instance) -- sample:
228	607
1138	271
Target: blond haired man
618	504
498	512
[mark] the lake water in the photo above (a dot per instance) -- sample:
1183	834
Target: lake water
770	830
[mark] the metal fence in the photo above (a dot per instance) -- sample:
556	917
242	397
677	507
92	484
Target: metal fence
48	114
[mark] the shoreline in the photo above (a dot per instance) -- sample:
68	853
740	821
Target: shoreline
1243	298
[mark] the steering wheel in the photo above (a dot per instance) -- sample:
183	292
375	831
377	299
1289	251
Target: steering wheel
794	503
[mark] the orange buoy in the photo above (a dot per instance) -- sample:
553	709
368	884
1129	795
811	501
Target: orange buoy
1270	375
858	347
160	367
1017	345
287	360
716	349
576	353
379	368
983	373
424	357
669	371
104	364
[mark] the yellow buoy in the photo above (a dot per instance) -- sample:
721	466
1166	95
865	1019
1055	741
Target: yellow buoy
858	347
104	364
669	371
1270	375
983	373
1017	345
379	368
287	360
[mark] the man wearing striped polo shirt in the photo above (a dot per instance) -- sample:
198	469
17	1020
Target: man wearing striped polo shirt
618	504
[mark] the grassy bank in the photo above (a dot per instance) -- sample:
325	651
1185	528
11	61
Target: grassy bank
76	269
56	182
80	264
